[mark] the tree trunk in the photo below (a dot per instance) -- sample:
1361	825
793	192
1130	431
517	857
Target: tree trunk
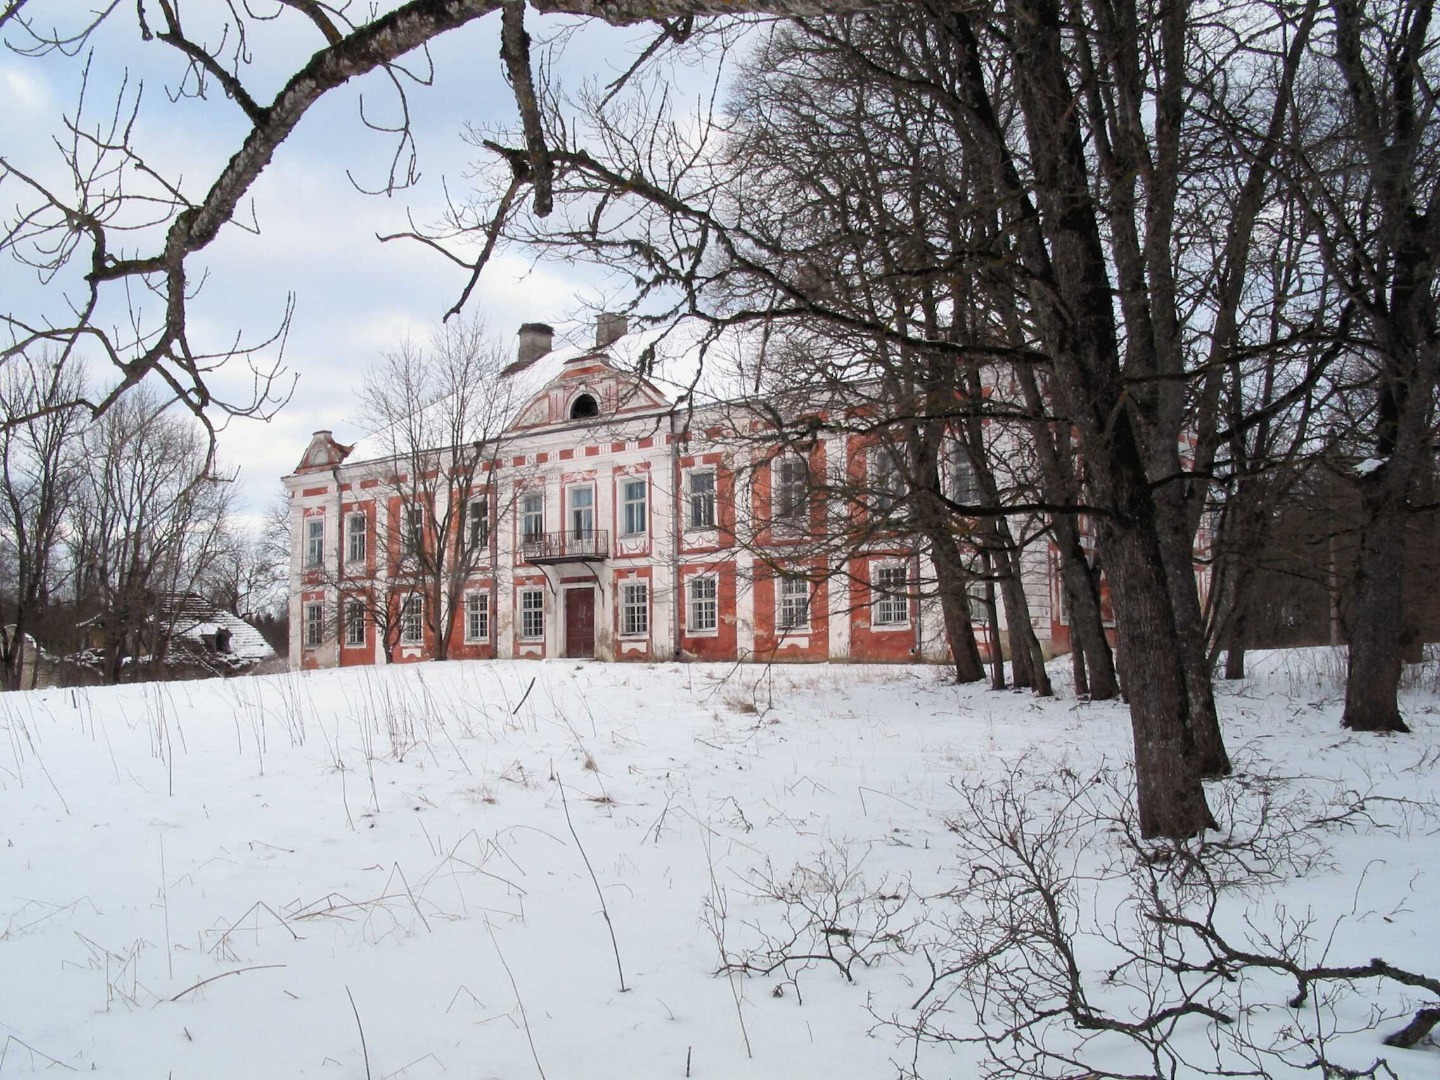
992	612
1087	626
952	584
1373	685
1211	760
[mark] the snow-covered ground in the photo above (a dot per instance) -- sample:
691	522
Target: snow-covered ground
399	872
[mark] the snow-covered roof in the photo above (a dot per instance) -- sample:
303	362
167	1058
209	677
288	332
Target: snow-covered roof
196	619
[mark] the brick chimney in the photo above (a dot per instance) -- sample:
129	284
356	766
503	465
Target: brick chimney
609	328
536	339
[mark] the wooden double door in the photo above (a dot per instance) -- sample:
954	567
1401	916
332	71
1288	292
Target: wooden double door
580	623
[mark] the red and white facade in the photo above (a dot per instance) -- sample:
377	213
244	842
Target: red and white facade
615	531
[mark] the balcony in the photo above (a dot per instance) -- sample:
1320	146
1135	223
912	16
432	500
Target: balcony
589	545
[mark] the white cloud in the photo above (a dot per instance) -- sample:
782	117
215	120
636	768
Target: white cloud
23	92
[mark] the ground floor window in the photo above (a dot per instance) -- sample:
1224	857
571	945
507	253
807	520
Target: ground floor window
314	625
704	609
532	614
354	623
412	621
892	602
477	616
793	603
634	609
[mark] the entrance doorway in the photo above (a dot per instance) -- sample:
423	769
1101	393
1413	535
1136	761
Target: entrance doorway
580	623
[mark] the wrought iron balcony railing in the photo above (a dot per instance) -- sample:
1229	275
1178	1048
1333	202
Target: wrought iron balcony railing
576	545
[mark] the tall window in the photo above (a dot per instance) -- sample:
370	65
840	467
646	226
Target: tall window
532	614
314	625
354	623
702	499
887	480
477	616
477	525
704	607
634	503
634	609
414	529
315	541
412	620
582	513
532	515
793	603
356	528
892	600
963	487
791	477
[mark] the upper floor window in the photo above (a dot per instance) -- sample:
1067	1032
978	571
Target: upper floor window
356	529
793	603
790	476
315	541
634	504
413	532
582	513
584	407
532	515
477	524
892	600
887	479
963	485
701	493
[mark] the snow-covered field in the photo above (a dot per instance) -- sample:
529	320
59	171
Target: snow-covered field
400	872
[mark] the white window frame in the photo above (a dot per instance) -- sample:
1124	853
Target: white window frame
412	620
790	494
634	609
700	500
314	541
958	464
477	617
792	596
412	529
477	524
356	540
532	513
697	605
634	512
532	614
354	616
890	601
314	624
975	601
887	478
574	515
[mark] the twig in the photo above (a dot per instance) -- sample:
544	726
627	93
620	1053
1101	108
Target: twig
524	1020
363	1048
605	911
523	696
5	1050
223	974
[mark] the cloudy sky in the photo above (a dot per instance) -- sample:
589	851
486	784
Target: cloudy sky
354	297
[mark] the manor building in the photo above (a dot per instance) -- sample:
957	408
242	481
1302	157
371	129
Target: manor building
608	523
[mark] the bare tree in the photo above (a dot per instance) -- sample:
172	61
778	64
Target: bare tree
1372	180
39	473
440	413
147	525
